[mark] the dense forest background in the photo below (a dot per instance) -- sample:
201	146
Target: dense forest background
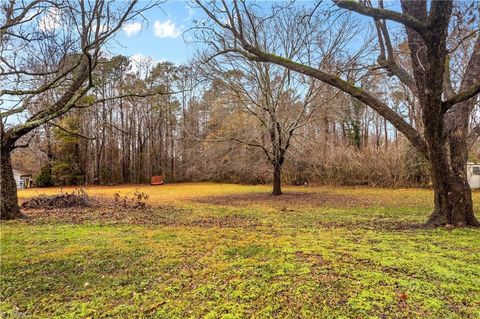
199	129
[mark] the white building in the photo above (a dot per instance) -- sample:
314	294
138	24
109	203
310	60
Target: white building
22	179
473	175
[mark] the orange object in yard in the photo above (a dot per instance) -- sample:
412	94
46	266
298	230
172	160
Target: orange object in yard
157	180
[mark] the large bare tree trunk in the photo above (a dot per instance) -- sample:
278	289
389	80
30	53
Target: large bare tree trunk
444	131
453	201
452	195
8	194
448	152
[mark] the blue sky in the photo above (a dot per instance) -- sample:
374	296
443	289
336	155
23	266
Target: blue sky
161	35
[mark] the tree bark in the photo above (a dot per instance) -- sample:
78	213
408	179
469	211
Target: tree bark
448	159
453	203
455	206
277	179
8	194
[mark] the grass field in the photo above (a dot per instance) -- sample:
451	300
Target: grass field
232	251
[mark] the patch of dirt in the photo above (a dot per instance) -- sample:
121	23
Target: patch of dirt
104	214
108	214
227	221
311	258
320	199
321	270
374	224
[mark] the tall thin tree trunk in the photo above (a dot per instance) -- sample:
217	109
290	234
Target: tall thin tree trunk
172	159
326	132
385	128
50	155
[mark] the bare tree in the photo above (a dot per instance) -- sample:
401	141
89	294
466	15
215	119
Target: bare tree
281	101
48	49
445	108
268	105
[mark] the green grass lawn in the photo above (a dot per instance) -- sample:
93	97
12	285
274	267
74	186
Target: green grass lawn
230	251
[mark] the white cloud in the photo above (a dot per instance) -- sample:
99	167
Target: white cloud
132	29
51	20
142	63
166	29
140	59
190	11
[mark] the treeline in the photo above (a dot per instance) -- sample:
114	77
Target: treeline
183	134
193	127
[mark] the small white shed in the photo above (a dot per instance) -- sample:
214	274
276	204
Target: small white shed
473	175
22	179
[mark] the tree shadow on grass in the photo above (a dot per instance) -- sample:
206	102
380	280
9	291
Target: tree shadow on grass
318	199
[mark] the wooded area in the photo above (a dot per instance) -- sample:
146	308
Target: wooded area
188	137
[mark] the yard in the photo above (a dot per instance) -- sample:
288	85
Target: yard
231	251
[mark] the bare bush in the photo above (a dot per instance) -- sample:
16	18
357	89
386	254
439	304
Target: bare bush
76	198
137	200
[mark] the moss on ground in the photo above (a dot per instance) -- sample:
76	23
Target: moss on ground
221	259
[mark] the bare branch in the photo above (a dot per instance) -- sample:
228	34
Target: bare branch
402	18
396	120
462	96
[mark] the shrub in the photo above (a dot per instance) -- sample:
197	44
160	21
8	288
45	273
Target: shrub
44	178
416	167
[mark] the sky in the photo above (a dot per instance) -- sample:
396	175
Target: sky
161	35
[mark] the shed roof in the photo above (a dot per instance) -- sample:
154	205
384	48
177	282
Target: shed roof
20	173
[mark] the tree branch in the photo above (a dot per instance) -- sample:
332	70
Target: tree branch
71	132
377	13
396	120
460	97
470	81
